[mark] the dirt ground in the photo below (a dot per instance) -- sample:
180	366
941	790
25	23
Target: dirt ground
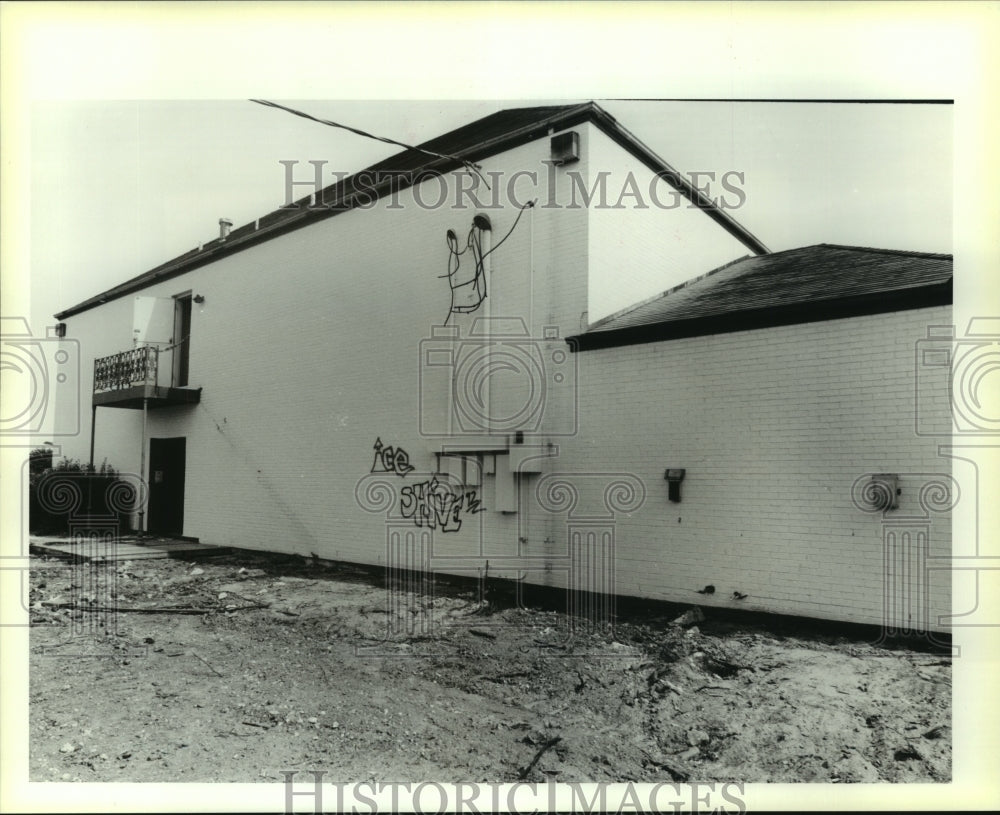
235	668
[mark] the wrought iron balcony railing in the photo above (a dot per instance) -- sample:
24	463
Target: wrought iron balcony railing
127	369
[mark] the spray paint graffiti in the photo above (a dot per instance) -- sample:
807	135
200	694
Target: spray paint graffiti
468	289
390	460
433	504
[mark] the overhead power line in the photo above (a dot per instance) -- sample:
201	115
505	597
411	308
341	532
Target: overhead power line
464	162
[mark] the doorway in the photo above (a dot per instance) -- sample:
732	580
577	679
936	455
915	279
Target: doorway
166	485
181	339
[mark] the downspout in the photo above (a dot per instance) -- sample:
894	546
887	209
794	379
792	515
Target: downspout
488	277
142	451
90	480
142	466
93	425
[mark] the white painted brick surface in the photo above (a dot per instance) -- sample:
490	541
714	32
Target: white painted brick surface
773	427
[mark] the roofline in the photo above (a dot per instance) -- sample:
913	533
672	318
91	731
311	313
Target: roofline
878	250
914	297
588	111
672	290
596	326
632	144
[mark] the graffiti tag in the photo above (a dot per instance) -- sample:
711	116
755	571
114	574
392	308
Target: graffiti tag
390	460
433	504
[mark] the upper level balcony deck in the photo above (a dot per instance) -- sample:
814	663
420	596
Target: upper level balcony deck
131	378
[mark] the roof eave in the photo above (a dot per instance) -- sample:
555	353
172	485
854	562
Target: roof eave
588	111
938	294
626	139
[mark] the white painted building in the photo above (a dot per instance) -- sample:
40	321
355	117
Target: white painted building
412	369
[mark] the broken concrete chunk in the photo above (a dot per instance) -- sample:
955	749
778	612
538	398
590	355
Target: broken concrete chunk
696	737
690	617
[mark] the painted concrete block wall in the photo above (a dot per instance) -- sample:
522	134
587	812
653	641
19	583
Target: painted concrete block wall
773	427
647	238
309	348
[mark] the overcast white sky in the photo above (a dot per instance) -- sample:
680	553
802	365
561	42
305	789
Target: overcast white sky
118	187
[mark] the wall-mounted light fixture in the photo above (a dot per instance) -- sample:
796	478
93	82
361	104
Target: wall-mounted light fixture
674	478
199	298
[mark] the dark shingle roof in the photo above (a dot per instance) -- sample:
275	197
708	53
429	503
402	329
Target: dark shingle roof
799	285
473	142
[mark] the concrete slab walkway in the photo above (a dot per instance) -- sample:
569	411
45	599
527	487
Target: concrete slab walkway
128	548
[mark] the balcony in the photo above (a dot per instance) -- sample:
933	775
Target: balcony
133	378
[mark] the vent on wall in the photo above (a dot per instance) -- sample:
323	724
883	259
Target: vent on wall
565	147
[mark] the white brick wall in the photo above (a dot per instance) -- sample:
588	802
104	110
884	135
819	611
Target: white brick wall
773	427
308	348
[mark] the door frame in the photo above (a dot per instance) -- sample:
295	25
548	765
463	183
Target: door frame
166	503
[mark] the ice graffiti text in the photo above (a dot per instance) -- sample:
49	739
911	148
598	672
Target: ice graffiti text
390	460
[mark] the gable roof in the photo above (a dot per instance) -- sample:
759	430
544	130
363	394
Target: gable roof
821	282
473	142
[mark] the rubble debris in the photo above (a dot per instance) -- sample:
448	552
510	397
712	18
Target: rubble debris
210	667
647	700
697	737
690	617
525	771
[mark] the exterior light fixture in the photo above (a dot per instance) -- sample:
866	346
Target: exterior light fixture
674	478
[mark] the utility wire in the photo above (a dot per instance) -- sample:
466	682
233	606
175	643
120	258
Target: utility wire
467	164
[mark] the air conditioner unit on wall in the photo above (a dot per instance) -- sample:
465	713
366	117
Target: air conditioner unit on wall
565	147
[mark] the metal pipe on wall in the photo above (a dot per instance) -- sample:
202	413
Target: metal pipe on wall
142	466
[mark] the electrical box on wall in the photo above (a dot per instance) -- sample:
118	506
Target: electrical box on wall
883	491
565	147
